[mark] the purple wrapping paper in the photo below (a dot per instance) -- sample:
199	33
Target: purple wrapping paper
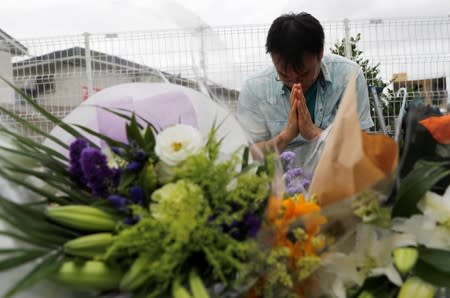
161	110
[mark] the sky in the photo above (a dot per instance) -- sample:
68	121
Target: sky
45	18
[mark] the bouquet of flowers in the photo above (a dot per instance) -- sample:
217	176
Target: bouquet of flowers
387	229
163	214
156	216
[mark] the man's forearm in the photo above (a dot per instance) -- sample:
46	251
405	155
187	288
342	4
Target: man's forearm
277	143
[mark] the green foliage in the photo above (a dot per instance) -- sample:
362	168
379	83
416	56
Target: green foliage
280	282
371	72
44	269
378	286
186	221
181	207
424	175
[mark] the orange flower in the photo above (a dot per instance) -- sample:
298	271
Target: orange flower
439	127
283	212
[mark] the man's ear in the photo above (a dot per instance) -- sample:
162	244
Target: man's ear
321	55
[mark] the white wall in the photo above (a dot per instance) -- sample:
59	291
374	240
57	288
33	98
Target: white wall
6	93
71	85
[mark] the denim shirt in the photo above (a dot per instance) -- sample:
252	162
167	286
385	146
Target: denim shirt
263	104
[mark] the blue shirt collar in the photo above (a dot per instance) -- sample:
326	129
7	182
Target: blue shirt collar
325	73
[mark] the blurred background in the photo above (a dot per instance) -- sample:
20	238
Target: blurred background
61	52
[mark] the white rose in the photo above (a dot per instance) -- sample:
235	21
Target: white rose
176	143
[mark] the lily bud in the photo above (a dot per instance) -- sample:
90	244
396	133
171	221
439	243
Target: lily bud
84	218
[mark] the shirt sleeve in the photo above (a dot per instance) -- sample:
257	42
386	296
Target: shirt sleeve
363	107
249	114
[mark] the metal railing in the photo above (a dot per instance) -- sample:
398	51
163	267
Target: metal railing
60	72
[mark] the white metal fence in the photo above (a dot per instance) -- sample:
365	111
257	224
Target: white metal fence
60	72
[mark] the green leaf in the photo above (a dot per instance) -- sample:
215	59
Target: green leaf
111	142
37	158
269	165
133	132
23	256
22	140
5	251
33	225
415	185
149	141
118	114
127	179
37	235
38	190
378	286
245	156
127	117
63	185
437	258
44	269
431	274
24	238
60	175
32	127
37	203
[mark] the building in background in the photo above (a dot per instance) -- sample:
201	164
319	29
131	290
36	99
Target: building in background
63	78
9	48
432	91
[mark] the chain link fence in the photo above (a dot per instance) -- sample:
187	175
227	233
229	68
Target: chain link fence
61	72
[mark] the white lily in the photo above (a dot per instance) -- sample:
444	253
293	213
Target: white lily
425	231
431	229
436	207
371	256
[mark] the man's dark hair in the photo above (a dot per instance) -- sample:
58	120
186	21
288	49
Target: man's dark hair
292	35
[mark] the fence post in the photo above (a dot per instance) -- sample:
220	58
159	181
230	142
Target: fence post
202	29
87	52
347	45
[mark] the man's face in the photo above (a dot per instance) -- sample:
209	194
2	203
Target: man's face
306	76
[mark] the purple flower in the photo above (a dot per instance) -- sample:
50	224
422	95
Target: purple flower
134	166
137	194
96	171
252	223
141	155
297	185
306	182
287	158
116	172
118	150
294	189
247	227
75	150
295	181
119	202
292	174
131	220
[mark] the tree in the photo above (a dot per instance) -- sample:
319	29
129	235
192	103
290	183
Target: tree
372	74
